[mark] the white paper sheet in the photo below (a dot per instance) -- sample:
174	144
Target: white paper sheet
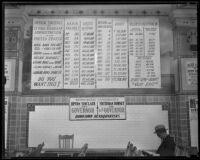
87	54
72	53
104	52
120	54
144	53
47	54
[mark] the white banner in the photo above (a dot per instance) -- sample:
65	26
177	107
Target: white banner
91	108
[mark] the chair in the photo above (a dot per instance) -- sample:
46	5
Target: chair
66	141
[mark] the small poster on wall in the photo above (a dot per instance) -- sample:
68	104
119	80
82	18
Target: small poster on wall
9	71
193	115
92	108
189	73
6	119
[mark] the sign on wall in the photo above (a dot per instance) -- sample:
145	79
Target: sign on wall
91	108
189	73
9	71
6	119
11	38
193	116
89	53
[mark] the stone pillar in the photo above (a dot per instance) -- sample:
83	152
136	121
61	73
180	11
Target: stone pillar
184	20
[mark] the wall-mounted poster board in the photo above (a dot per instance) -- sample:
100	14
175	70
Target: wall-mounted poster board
189	73
9	70
46	122
93	53
112	65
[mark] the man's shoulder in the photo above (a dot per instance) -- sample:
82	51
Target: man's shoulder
170	139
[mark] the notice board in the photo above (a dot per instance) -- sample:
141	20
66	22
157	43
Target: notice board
46	122
92	53
110	37
189	73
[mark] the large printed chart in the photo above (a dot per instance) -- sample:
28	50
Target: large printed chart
89	53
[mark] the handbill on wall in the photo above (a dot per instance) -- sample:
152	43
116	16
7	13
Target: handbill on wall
6	119
47	54
144	53
189	73
9	71
92	108
193	114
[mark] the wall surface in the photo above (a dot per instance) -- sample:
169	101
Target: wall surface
173	44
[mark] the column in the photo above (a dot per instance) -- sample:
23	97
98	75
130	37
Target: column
184	20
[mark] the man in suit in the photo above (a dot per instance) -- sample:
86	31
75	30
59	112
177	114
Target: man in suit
167	146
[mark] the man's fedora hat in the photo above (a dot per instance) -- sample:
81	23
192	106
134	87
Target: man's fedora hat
159	127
